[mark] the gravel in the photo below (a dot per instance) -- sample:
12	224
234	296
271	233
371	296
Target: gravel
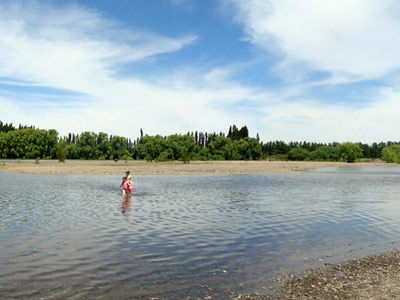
373	277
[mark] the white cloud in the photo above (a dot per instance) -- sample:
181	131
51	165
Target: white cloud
67	48
78	50
310	120
355	39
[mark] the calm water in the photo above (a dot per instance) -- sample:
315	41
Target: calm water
72	237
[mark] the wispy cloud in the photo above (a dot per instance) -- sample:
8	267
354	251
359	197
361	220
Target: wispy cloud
78	50
67	47
352	40
309	119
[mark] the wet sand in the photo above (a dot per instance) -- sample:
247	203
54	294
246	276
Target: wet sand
373	277
173	168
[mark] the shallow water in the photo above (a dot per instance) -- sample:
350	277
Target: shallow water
73	237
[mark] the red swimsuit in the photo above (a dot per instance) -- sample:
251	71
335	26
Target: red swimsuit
127	187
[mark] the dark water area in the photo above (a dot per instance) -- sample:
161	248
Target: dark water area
72	237
361	170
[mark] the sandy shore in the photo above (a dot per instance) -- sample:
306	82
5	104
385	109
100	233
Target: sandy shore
373	277
173	168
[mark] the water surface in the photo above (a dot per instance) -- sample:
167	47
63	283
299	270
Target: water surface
73	237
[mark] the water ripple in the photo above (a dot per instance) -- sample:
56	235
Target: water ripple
67	236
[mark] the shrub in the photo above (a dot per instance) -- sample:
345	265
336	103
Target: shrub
62	151
298	154
324	153
391	154
165	155
349	152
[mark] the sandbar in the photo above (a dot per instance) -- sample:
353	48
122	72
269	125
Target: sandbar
173	168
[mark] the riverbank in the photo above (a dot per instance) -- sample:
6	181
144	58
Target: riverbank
173	168
373	277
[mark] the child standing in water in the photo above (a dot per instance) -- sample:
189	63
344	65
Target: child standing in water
126	185
129	179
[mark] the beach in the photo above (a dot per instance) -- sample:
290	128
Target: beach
174	168
373	277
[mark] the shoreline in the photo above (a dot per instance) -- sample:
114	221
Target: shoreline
176	168
372	277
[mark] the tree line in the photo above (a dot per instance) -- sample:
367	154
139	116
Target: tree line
32	143
6	127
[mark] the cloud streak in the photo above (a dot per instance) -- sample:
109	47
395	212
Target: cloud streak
77	50
355	40
65	48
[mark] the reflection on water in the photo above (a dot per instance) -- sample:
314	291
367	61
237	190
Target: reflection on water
178	236
126	205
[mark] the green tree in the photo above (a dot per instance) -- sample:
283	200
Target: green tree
219	149
203	154
254	150
391	154
62	151
182	146
349	152
324	153
103	146
118	148
3	145
298	154
166	155
87	145
242	148
52	140
150	147
73	151
235	134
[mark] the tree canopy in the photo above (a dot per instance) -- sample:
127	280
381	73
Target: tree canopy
391	154
349	152
32	143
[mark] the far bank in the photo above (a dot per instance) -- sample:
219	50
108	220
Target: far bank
175	168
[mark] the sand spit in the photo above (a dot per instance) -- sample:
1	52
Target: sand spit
172	168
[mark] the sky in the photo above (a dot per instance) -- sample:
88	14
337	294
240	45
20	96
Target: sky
291	70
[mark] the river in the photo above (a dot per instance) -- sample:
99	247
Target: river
187	236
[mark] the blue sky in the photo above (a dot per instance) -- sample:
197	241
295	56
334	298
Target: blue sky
290	70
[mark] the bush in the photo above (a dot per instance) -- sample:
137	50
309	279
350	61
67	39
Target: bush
185	159
298	154
203	154
62	151
349	152
165	156
324	153
391	154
